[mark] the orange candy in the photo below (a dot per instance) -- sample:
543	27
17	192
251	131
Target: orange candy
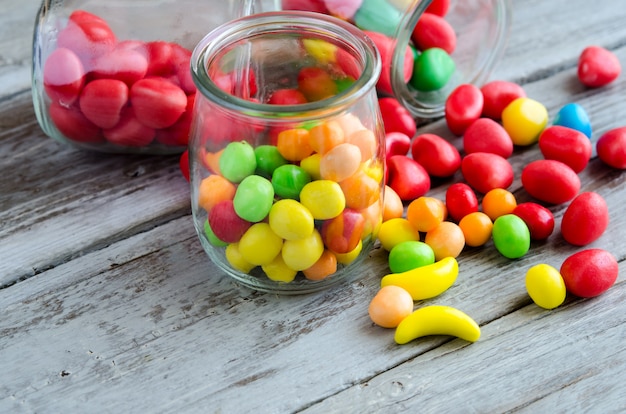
293	144
326	136
213	190
426	213
360	190
498	202
340	162
446	240
390	305
392	205
325	266
476	228
366	141
316	84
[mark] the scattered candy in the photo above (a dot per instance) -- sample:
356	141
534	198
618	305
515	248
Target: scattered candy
461	200
395	231
446	240
486	135
550	181
396	118
463	106
511	236
396	143
407	177
590	272
432	70
426	213
545	286
574	116
425	282
392	204
598	67
498	95
524	119
410	255
476	228
567	145
585	219
498	202
437	320
438	157
390	306
433	30
539	219
484	171
611	148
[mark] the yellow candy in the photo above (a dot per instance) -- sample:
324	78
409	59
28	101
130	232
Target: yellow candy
236	260
303	253
524	119
545	286
259	245
278	271
323	198
437	320
321	50
291	220
427	281
347	258
311	164
396	231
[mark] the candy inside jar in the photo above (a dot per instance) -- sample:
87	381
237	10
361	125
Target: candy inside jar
286	153
427	47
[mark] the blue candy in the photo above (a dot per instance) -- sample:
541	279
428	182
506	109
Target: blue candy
574	116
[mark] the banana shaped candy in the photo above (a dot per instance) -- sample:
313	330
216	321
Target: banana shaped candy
437	320
425	282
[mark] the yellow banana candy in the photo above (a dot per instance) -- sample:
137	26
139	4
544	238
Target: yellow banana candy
425	281
437	320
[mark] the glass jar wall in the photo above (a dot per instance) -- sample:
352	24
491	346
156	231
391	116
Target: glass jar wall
286	151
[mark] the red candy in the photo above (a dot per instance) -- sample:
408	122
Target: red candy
597	67
102	100
463	106
567	145
386	46
287	97
461	200
590	272
397	143
433	30
484	171
436	155
87	35
407	177
396	118
158	103
63	76
498	95
130	131
585	220
550	181
438	7
486	135
611	148
73	124
316	84
225	223
538	219
183	164
123	63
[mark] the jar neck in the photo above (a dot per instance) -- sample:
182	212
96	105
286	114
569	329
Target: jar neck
275	24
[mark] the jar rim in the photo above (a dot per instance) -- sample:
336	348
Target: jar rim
349	36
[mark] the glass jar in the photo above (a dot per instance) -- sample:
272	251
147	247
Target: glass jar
470	36
114	76
287	151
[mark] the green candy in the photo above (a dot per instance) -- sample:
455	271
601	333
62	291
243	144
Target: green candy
378	16
511	236
432	70
409	255
288	180
237	161
267	160
254	198
213	239
344	83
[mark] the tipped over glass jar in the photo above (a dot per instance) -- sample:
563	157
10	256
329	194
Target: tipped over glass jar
286	151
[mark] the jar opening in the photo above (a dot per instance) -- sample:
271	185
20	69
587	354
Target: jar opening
241	64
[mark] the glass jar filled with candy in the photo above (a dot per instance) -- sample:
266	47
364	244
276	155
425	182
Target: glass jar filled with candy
114	76
427	47
286	150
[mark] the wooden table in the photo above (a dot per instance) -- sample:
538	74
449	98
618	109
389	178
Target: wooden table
109	304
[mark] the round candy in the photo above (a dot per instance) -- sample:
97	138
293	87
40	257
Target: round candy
63	76
574	116
253	198
461	200
237	161
386	48
409	255
511	236
432	70
590	272
407	177
446	240
550	181
342	233
498	95
484	171
426	213
486	135
396	143
303	253
598	66
524	119
463	106
585	219
433	30
498	202
268	158
340	162
438	157
567	145
325	266
611	148
259	245
476	228
291	220
395	231
540	220
226	224
392	204
316	84
360	190
293	144
396	118
278	271
545	286
236	260
288	180
323	198
214	189
210	235
326	136
158	103
389	306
